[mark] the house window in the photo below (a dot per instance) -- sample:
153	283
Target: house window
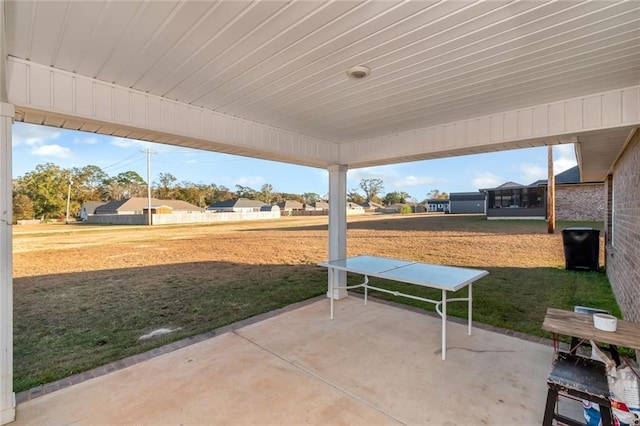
516	198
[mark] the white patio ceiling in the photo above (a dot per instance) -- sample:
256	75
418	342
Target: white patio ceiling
447	78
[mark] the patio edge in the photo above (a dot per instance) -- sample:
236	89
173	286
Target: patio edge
47	388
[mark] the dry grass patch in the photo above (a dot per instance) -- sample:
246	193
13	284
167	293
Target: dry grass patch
85	294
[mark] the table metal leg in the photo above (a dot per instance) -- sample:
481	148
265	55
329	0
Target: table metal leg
444	324
470	314
332	280
366	289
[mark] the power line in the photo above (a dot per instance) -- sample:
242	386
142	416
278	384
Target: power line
125	165
118	162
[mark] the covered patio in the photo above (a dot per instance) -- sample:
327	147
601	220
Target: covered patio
373	365
336	85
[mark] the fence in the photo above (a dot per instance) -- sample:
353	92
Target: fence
176	218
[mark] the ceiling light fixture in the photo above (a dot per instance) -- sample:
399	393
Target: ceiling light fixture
358	72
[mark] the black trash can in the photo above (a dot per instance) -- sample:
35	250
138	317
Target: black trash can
581	248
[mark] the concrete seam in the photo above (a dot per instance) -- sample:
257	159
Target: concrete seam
320	378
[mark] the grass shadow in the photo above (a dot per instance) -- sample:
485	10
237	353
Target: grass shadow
68	323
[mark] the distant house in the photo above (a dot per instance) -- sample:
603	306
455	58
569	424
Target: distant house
290	206
437	205
269	208
321	205
467	202
512	200
370	206
354	207
139	205
239	205
89	208
574	200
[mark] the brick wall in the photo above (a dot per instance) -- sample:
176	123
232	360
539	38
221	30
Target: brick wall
623	254
580	202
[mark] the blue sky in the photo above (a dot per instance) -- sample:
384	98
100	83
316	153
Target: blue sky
33	145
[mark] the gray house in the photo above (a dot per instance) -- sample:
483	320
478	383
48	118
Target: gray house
512	200
574	200
467	202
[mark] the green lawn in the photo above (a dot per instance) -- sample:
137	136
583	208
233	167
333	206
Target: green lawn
517	298
61	331
68	323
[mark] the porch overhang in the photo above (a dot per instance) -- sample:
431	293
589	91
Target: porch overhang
267	79
598	123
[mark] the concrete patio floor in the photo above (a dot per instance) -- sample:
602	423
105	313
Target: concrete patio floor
372	365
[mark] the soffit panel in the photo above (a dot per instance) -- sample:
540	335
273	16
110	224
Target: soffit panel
598	152
283	63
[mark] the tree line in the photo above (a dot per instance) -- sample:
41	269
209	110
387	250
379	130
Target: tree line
373	189
43	192
47	191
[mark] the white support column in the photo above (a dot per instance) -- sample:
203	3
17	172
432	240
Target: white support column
7	397
337	226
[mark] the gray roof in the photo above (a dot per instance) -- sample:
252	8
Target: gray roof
239	203
91	206
371	205
141	203
291	204
509	184
571	175
467	196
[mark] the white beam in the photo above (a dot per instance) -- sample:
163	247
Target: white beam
7	113
337	225
525	127
7	397
46	95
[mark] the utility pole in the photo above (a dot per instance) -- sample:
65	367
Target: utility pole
551	193
68	199
148	152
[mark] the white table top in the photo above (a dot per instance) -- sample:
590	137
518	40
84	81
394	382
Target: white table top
442	277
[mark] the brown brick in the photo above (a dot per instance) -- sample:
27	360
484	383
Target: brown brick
623	251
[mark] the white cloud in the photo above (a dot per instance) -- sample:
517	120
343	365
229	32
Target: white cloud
121	142
86	140
486	180
250	181
155	148
410	181
54	150
370	173
532	173
564	157
393	178
31	135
